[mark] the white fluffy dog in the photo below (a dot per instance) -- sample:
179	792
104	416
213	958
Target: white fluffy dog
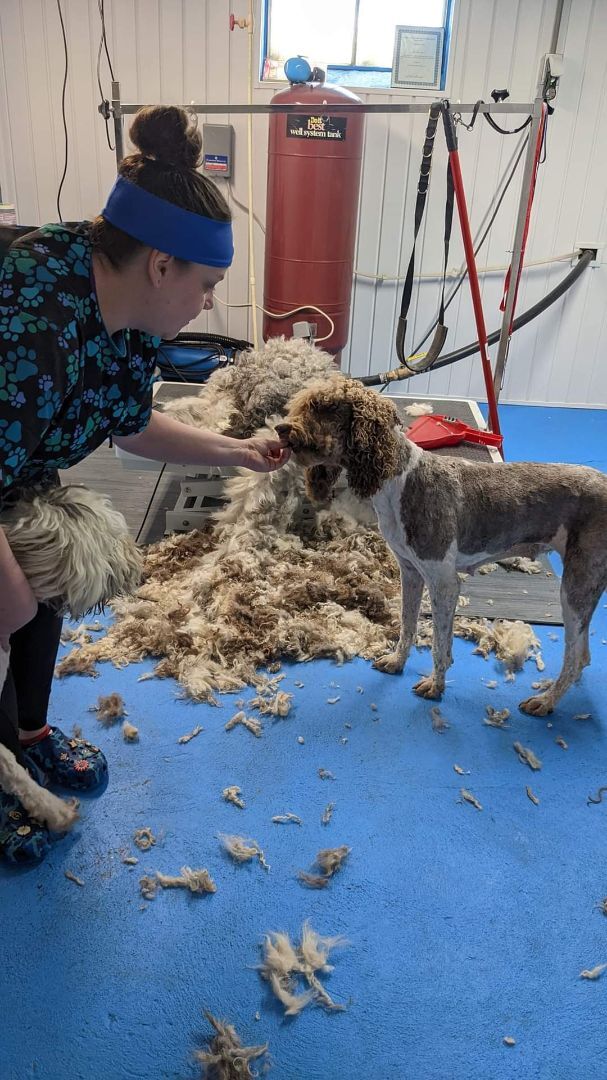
76	552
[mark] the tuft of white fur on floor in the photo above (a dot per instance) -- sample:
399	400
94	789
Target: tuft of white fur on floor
283	962
227	1058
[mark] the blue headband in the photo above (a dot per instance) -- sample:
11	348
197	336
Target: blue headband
166	227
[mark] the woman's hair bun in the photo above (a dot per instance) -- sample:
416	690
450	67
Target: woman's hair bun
168	134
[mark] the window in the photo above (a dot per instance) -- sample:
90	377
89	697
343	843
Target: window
352	40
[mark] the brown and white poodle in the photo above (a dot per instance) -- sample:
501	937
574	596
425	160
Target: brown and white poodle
442	515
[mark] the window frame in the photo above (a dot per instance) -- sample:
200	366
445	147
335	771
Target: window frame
449	25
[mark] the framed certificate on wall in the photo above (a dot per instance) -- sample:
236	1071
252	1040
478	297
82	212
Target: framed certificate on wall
418	57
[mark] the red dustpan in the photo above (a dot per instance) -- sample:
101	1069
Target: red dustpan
430	432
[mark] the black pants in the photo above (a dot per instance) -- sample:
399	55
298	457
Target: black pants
26	692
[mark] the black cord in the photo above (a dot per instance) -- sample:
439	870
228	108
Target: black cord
63	111
149	505
104	106
506	131
101	4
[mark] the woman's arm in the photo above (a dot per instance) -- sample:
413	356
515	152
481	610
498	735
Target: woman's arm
166	439
18	604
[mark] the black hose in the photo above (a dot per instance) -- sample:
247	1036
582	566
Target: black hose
586	257
210	339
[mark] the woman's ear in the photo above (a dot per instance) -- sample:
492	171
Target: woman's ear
320	482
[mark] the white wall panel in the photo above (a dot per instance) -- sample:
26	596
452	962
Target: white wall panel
182	51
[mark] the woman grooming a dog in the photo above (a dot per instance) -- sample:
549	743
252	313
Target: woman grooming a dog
82	310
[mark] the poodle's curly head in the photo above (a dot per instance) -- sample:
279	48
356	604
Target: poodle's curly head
337	423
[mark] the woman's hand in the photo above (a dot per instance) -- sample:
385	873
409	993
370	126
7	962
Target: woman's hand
262	455
167	439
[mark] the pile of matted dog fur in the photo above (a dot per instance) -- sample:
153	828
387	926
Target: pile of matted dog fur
270	579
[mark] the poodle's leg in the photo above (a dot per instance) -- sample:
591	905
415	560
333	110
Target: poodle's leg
443	597
584	579
412	587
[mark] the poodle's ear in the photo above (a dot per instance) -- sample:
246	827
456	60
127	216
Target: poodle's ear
320	482
372	448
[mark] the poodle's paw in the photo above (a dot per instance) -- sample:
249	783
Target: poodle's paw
429	687
392	663
539	705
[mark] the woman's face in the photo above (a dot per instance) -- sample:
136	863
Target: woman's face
180	292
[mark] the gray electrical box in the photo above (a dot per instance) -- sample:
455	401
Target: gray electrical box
217	149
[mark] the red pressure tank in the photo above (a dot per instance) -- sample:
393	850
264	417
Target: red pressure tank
314	165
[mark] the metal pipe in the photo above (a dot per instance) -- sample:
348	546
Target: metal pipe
388	107
517	248
117	112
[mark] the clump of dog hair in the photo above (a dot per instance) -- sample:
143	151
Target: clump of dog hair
315	881
523	564
232	794
79	662
109	708
129	732
278	705
248	722
327	813
190	735
513	642
496	717
330	861
284	819
227	1058
243	850
144	838
72	877
284	963
468	797
594	973
419	408
439	722
198	882
526	756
